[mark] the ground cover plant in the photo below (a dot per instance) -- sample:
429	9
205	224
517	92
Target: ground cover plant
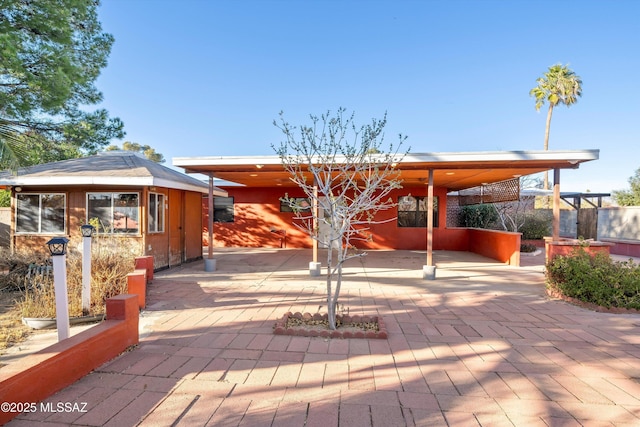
595	279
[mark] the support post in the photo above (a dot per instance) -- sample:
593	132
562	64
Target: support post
86	275
556	205
314	265
62	303
429	270
209	262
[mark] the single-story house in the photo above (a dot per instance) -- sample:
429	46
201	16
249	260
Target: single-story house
252	214
154	207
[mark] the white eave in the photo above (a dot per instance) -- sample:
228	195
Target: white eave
570	156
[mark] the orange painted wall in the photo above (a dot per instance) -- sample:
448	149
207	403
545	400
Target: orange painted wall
499	245
37	376
257	211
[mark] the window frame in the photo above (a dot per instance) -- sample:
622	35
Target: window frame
287	208
227	210
112	231
418	214
153	217
40	214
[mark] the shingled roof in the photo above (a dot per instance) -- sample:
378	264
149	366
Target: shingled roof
107	168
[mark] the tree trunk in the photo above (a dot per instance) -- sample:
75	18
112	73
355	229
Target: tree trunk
546	143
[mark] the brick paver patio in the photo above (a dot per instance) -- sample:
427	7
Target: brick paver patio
480	345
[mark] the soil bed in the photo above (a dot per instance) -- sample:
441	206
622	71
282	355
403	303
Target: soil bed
317	325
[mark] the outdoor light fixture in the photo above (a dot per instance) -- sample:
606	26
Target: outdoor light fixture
58	245
87	230
58	248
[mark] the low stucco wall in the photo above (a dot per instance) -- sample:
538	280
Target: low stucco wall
503	246
620	225
37	376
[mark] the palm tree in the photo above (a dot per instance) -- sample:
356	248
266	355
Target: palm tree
559	85
10	145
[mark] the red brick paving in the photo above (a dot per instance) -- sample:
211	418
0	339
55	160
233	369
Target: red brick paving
481	345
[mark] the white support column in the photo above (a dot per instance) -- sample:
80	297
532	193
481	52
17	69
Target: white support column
86	275
429	270
556	205
62	303
315	266
210	262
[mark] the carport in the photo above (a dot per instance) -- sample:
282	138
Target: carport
484	177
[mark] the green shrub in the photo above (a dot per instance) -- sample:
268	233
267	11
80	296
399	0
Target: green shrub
595	279
536	226
478	216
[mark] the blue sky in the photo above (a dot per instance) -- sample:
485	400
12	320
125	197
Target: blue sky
207	78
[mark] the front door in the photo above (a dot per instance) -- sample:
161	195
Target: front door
176	227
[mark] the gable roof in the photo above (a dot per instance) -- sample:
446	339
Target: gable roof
107	168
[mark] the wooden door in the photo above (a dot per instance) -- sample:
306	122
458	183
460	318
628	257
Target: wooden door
587	223
176	227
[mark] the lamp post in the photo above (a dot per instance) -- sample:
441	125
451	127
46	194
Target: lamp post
87	231
58	249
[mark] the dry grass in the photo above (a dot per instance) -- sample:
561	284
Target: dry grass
24	295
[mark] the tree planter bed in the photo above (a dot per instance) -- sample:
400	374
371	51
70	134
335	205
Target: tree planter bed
50	323
316	325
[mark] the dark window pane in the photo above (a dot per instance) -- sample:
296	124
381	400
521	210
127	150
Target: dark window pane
223	209
52	212
27	218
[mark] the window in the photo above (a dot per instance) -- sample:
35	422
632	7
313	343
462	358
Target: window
412	211
156	213
116	212
294	203
40	213
223	209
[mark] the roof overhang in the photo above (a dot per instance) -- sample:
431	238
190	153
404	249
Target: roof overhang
453	171
106	181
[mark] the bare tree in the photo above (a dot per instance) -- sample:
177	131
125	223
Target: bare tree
513	215
343	172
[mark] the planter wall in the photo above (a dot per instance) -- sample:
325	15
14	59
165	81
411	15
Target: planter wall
565	247
37	376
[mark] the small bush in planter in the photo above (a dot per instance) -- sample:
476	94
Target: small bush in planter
595	279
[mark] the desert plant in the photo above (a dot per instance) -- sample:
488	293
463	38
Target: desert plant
110	266
595	279
16	268
348	177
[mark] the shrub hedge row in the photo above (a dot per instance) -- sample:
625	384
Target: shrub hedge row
595	279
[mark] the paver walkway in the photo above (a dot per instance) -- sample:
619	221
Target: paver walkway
480	345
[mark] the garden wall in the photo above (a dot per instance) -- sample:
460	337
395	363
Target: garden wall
620	225
37	376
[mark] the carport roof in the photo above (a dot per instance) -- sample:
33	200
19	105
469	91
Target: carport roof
452	170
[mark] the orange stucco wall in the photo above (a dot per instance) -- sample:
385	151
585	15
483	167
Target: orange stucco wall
37	376
257	212
566	247
499	245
